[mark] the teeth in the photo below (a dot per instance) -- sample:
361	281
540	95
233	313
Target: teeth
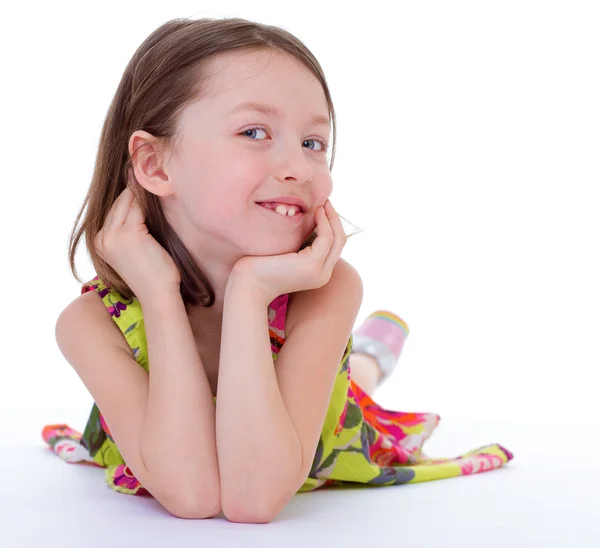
283	210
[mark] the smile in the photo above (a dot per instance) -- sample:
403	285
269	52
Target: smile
296	218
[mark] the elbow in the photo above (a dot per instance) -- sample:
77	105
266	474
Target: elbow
258	500
262	502
198	503
249	514
258	509
191	509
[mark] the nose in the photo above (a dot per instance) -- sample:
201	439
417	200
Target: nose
292	162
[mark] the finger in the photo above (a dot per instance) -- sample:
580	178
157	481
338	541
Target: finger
319	249
118	211
135	216
339	237
338	228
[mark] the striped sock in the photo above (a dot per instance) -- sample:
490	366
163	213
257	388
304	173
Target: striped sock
382	336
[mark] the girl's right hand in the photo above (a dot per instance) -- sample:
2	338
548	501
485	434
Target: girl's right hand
126	245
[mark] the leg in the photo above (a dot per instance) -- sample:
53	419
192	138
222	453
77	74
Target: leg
376	349
364	371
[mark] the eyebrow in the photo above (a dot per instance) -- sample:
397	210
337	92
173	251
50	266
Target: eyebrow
274	111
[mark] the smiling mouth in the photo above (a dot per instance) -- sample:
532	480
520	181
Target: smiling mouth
283	211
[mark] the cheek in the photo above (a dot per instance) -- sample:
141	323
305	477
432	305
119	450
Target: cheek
231	166
324	187
218	192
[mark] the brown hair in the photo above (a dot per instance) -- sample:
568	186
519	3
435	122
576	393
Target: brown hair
160	80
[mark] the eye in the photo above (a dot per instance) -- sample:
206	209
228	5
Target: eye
246	132
249	132
322	143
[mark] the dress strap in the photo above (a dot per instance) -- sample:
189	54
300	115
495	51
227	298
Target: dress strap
127	314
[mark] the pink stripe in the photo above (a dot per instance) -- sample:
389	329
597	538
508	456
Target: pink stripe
383	330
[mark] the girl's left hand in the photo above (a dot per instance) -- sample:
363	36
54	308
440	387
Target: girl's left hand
310	268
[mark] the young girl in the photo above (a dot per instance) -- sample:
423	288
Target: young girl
216	338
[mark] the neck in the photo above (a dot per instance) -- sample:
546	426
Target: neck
208	320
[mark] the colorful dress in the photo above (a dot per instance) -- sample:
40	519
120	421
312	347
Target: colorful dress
360	441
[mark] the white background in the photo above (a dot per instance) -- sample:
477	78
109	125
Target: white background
468	139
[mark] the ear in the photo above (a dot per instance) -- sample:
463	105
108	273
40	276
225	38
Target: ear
148	158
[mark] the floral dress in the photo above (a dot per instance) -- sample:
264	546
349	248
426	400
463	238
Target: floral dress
360	441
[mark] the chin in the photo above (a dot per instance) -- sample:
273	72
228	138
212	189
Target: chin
272	247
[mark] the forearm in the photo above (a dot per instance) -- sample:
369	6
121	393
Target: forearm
258	448
178	435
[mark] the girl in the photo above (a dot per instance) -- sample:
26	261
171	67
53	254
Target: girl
222	360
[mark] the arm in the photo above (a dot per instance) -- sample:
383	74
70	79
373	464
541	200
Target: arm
177	440
163	424
269	418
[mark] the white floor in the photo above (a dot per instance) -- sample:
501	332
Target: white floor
546	497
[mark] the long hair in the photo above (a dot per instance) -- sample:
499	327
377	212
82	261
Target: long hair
161	79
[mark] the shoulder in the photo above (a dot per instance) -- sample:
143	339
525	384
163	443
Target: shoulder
344	290
345	280
84	318
88	306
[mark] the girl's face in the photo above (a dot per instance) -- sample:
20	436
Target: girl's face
228	157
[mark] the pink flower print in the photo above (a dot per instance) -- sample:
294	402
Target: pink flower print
72	451
123	477
385	453
51	432
87	288
467	467
116	309
65	446
479	463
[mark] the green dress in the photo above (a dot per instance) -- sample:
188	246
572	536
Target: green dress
360	441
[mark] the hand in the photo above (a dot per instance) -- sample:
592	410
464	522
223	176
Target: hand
126	245
310	268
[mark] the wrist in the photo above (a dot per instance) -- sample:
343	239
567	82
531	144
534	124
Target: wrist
162	299
246	288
